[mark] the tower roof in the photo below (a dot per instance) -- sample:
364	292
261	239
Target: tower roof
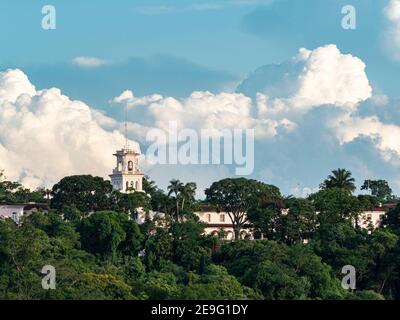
125	151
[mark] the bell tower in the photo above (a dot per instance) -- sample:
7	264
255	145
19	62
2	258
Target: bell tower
126	176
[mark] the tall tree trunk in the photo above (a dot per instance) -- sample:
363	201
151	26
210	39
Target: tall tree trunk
236	230
177	209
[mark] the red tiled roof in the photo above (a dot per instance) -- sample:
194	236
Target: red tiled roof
216	225
207	208
31	206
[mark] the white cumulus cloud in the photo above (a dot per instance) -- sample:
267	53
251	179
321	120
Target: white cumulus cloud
331	77
45	136
128	98
323	76
311	103
13	83
392	35
206	110
384	136
323	79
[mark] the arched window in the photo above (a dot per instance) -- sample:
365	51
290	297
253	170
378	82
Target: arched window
243	235
130	166
127	186
215	233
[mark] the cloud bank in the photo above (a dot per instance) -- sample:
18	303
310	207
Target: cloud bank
45	136
308	105
311	114
311	78
392	35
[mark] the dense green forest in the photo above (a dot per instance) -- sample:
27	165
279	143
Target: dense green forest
100	252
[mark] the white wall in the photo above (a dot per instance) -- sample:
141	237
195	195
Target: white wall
14	212
212	217
374	217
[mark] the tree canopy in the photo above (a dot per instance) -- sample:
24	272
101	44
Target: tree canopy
85	192
379	189
236	196
91	238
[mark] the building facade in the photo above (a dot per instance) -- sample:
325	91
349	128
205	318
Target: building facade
219	224
373	217
17	211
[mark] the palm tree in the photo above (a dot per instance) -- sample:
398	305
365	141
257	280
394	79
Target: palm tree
341	179
188	192
149	186
47	192
175	187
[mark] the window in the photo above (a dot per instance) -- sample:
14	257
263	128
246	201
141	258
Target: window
15	217
127	186
222	218
130	166
208	217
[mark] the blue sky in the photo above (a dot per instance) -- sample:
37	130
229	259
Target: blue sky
228	39
175	47
225	38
